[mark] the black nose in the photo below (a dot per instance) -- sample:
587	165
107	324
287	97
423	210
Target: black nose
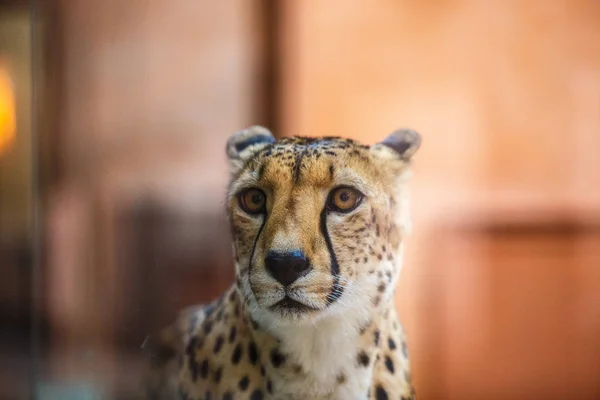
287	267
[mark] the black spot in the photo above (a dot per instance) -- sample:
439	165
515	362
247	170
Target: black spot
190	351
244	382
376	301
262	370
207	326
381	287
331	170
341	378
232	334
237	354
389	364
366	326
362	359
391	344
256	395
183	395
380	393
270	386
253	352
218	375
376	337
204	369
218	344
277	359
229	396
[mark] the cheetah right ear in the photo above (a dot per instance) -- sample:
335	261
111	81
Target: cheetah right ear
245	143
402	143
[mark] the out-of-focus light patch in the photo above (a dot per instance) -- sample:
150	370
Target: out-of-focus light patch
7	110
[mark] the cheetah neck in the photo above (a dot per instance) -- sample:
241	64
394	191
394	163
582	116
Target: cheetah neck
326	352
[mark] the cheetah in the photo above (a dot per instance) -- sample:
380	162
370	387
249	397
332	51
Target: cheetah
317	227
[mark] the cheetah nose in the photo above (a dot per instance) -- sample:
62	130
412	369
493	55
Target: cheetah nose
287	267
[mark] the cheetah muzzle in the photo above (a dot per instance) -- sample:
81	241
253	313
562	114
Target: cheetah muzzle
317	227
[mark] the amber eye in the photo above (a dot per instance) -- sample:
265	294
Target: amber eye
252	201
345	199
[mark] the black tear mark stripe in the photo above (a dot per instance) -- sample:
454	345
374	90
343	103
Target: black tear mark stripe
336	288
262	225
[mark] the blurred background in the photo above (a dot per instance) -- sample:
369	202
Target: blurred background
113	120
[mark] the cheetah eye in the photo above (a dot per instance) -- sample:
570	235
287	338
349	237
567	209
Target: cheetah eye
252	201
344	199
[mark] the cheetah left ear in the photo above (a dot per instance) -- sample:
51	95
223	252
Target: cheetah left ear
403	142
245	143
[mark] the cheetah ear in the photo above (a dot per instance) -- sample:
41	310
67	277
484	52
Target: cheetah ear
403	142
243	144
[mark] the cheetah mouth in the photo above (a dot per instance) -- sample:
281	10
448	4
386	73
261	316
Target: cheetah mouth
289	304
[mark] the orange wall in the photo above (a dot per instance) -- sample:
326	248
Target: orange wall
507	97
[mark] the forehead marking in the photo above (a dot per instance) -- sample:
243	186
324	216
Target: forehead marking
292	151
261	171
299	158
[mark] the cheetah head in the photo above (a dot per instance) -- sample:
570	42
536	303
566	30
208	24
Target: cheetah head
317	223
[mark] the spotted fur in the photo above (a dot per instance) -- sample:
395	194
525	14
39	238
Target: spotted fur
338	336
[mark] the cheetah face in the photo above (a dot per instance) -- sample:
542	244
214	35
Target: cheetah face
317	223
